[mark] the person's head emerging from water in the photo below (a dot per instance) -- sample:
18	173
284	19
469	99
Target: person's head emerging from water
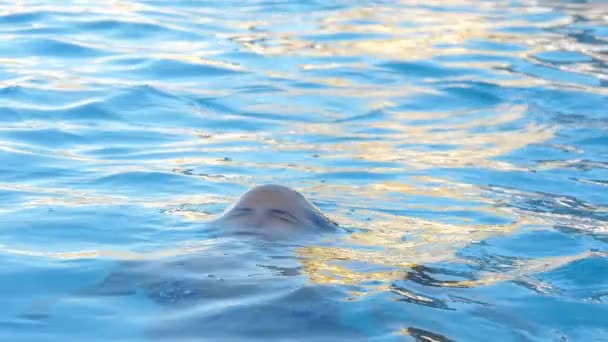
274	210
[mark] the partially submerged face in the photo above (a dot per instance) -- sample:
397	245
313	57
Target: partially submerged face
276	211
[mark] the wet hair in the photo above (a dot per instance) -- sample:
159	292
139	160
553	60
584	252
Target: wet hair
321	221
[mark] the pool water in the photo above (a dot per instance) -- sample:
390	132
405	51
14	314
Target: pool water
462	145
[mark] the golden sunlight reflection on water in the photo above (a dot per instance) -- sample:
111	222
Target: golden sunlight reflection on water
397	33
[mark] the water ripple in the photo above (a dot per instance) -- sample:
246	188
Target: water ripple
460	144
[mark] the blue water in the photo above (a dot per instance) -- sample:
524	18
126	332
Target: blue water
463	144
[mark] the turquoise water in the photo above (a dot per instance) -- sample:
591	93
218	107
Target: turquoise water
464	144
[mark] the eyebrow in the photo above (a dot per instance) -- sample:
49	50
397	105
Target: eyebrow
284	213
240	211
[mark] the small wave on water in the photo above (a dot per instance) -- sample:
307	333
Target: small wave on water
461	145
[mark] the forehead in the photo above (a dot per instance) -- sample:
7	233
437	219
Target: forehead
263	198
266	195
267	199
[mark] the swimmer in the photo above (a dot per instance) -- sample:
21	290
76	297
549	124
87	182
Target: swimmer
276	211
271	212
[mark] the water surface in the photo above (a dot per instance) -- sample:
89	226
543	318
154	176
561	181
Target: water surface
463	144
